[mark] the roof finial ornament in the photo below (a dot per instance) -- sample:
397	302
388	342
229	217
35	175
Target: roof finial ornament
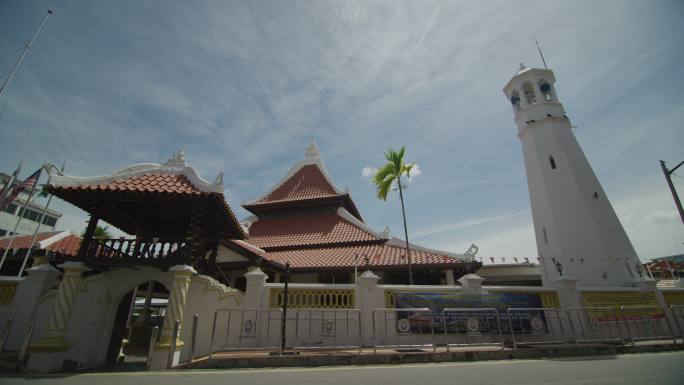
177	160
219	180
522	67
312	150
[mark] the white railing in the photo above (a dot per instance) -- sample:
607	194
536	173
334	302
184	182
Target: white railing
403	328
536	326
471	326
325	329
245	329
677	312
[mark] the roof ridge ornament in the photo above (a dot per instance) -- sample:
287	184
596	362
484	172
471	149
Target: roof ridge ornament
312	151
522	67
219	180
176	160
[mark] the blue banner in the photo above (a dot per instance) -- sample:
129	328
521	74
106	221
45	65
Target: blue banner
456	321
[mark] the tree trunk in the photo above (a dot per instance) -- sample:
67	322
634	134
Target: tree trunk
408	248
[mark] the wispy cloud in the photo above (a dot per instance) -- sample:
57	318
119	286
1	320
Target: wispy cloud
445	227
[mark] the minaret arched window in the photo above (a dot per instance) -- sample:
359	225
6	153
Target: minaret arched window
515	100
529	93
552	162
546	90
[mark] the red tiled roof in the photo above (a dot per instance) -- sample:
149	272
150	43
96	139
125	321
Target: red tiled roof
153	182
343	257
307	183
24	241
247	246
68	245
306	230
663	265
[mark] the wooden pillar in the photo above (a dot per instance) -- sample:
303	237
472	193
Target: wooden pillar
89	232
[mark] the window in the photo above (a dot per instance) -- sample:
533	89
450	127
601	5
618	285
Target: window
595	195
546	239
29	214
515	100
11	208
552	162
3	232
530	97
546	90
32	215
50	221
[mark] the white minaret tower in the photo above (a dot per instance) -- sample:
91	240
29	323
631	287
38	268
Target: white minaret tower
578	234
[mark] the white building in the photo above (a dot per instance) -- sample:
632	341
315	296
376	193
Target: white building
32	215
577	231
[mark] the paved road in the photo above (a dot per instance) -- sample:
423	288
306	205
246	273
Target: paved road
641	369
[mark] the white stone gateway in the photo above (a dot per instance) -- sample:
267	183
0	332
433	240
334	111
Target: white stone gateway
578	234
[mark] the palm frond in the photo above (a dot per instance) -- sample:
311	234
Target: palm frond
383	180
407	169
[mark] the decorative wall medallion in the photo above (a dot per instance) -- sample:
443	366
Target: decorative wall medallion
404	326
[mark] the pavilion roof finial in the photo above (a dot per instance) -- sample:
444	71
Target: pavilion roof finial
176	160
522	67
312	150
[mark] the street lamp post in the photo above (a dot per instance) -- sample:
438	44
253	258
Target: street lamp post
668	174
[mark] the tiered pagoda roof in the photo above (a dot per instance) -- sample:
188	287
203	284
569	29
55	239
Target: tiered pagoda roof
307	184
307	221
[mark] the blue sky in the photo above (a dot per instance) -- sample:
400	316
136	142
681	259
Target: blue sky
242	85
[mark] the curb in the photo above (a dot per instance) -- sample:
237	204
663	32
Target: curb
390	358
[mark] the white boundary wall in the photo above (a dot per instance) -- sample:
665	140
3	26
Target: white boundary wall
97	299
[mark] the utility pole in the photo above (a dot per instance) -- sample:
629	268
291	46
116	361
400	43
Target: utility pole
668	177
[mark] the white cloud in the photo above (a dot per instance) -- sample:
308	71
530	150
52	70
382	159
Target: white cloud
415	172
368	172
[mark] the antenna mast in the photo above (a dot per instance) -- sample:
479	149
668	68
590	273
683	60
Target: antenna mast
21	58
540	52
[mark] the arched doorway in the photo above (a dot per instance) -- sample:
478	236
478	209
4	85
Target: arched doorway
139	311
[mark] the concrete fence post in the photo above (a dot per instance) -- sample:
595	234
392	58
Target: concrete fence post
256	297
569	297
29	291
47	354
368	297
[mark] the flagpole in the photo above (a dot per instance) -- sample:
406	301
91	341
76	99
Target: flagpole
7	189
28	46
14	232
40	221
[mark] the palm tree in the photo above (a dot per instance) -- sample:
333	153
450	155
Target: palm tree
100	233
385	178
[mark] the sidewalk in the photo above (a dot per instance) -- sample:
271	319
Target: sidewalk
261	359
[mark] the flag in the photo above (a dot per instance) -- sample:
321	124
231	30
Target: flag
28	184
7	188
43	192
